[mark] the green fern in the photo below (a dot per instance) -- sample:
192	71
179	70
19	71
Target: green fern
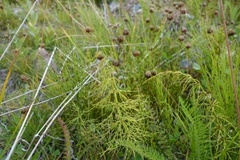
144	151
195	130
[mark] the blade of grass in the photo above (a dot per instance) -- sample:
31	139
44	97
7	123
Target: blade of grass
69	14
8	76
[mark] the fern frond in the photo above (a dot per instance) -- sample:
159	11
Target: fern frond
142	150
195	129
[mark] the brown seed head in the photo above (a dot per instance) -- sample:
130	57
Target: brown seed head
147	20
120	39
88	30
100	57
180	4
166	10
188	45
170	11
154	73
116	63
151	27
175	4
151	10
231	32
184	29
181	38
210	30
125	32
183	11
136	53
148	74
204	4
16	51
170	17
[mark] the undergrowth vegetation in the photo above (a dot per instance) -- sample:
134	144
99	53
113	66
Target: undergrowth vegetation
149	80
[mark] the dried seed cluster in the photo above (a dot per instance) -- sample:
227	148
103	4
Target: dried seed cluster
100	56
149	74
88	29
136	53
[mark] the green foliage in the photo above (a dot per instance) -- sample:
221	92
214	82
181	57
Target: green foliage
144	151
190	119
141	91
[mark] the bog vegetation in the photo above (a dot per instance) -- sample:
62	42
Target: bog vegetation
147	79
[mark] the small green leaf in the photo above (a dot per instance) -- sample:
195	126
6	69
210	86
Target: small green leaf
196	66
